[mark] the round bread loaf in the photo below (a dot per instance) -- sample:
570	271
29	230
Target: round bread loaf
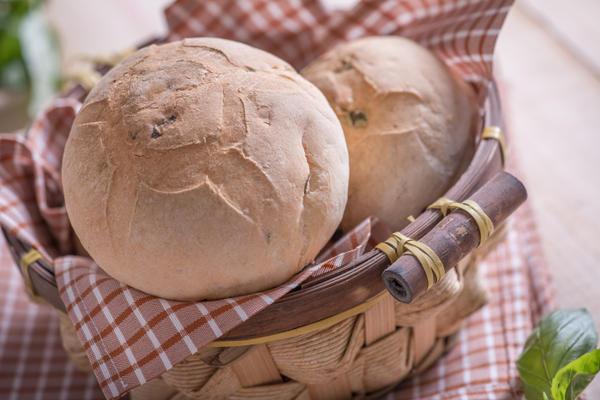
407	120
204	169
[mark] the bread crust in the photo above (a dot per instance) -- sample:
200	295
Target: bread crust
204	169
408	123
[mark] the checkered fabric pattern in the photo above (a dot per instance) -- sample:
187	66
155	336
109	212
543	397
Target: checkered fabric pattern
481	365
33	364
131	337
462	32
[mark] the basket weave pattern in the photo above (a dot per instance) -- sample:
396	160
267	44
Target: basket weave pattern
337	362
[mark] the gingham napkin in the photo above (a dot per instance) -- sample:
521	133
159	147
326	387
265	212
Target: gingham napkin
131	337
462	32
481	365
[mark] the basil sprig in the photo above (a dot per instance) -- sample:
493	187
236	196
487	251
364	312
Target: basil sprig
559	359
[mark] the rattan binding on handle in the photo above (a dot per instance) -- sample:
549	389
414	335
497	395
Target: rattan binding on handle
495	133
27	260
458	234
399	244
483	221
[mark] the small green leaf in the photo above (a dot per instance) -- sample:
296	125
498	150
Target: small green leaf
573	378
560	338
13	73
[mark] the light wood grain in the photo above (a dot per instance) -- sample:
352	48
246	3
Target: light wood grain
379	320
424	337
572	24
337	389
552	100
553	105
256	367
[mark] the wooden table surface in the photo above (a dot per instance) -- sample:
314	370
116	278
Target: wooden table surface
548	60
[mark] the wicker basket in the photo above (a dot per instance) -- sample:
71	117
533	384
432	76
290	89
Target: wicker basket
364	352
338	336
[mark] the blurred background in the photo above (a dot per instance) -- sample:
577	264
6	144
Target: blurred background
547	64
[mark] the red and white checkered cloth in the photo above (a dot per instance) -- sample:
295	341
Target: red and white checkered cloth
481	365
462	32
131	337
33	364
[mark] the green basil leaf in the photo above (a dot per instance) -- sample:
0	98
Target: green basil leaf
560	338
573	378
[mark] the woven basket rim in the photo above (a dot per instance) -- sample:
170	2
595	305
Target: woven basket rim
341	289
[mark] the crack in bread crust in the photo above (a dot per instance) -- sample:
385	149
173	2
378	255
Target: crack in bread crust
207	144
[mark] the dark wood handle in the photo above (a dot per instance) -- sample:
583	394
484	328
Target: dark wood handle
455	236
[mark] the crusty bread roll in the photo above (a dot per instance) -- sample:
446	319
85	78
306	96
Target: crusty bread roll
407	120
204	169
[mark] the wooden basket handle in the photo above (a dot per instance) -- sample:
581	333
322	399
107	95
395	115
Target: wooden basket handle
455	236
